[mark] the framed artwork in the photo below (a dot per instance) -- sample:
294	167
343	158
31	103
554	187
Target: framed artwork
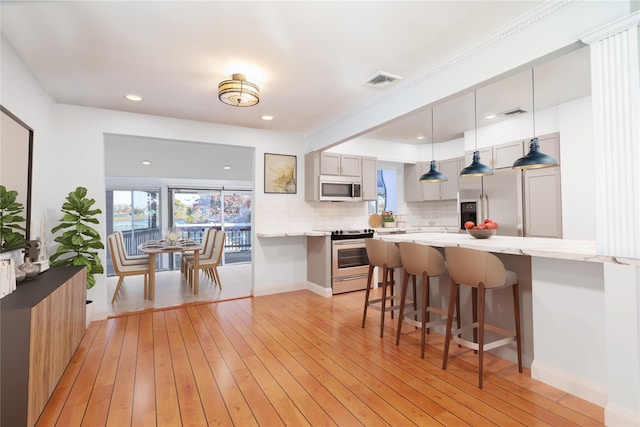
280	173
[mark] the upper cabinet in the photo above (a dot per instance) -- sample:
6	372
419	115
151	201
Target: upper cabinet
369	178
416	191
504	155
340	164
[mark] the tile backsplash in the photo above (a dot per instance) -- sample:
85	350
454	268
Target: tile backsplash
297	216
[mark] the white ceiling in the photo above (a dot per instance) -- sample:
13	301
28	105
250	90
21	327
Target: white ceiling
309	58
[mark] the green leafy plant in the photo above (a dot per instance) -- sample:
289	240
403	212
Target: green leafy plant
80	242
12	232
389	219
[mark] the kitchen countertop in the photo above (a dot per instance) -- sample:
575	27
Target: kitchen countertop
380	230
578	250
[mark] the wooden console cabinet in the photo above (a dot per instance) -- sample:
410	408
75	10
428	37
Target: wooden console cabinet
41	326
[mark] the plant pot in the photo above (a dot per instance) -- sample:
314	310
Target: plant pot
389	224
89	306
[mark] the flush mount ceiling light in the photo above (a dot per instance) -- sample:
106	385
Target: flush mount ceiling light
535	159
476	168
238	92
134	98
433	175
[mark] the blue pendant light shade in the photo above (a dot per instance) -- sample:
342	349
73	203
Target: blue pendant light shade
534	159
433	175
476	168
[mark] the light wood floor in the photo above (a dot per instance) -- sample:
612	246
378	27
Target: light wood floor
290	359
172	289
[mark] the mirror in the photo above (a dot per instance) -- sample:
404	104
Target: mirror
16	151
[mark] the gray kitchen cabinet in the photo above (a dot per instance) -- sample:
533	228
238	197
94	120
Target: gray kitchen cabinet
412	186
549	144
543	203
340	164
369	178
504	155
449	188
486	157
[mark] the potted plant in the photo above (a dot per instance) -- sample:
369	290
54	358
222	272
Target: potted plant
388	219
12	232
80	241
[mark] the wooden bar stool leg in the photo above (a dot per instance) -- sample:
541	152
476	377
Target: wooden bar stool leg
426	287
415	298
366	296
385	273
405	285
423	312
453	295
392	282
474	309
516	310
480	333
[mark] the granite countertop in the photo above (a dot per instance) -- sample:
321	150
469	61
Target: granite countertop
578	250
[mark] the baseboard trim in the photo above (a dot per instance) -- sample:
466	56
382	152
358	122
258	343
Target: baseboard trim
571	383
617	416
280	289
320	290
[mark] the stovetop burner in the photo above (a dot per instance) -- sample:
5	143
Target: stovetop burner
351	234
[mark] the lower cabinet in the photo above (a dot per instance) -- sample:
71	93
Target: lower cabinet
42	324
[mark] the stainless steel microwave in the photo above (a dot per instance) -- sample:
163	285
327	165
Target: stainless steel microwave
340	191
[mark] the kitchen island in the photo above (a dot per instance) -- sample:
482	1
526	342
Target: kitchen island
579	310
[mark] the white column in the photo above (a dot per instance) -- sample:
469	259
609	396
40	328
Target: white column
615	83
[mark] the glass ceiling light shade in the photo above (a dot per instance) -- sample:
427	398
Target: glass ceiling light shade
238	92
534	159
476	168
433	175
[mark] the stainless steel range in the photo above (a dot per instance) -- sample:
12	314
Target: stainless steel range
349	262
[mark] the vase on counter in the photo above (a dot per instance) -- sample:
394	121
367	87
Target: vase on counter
30	269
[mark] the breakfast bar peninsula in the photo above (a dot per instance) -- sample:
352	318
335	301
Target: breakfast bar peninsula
579	311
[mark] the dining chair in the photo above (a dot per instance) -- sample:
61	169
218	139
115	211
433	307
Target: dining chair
123	270
482	271
204	254
126	258
211	260
208	233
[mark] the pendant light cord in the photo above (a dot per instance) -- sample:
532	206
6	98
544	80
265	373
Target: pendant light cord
432	152
533	100
475	116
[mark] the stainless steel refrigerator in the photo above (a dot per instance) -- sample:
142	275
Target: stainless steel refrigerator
499	197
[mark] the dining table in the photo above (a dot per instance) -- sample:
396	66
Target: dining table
154	248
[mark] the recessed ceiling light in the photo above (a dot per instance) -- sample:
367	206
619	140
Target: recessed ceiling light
420	137
267	117
134	98
490	117
146	162
226	168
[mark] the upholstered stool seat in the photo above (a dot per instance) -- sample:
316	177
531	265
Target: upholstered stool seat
481	271
426	262
386	256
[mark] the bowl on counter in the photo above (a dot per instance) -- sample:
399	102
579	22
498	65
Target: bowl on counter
482	233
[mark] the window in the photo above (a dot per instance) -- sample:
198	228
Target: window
387	192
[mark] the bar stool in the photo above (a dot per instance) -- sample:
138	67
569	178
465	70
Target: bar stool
386	256
482	271
427	262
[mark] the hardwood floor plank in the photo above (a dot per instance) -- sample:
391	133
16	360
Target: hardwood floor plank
100	400
166	393
234	400
121	407
212	402
144	396
191	410
295	358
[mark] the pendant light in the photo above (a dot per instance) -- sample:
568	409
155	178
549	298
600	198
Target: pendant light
476	168
433	175
535	159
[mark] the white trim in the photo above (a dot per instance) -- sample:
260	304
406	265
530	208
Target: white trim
617	416
280	289
320	290
612	28
571	383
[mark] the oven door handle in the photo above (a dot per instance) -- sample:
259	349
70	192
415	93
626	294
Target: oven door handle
352	277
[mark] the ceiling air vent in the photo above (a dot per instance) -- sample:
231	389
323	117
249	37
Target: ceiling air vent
381	79
512	113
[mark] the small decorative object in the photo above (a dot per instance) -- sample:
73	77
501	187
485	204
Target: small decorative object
388	219
171	237
20	274
8	277
484	230
30	269
280	173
